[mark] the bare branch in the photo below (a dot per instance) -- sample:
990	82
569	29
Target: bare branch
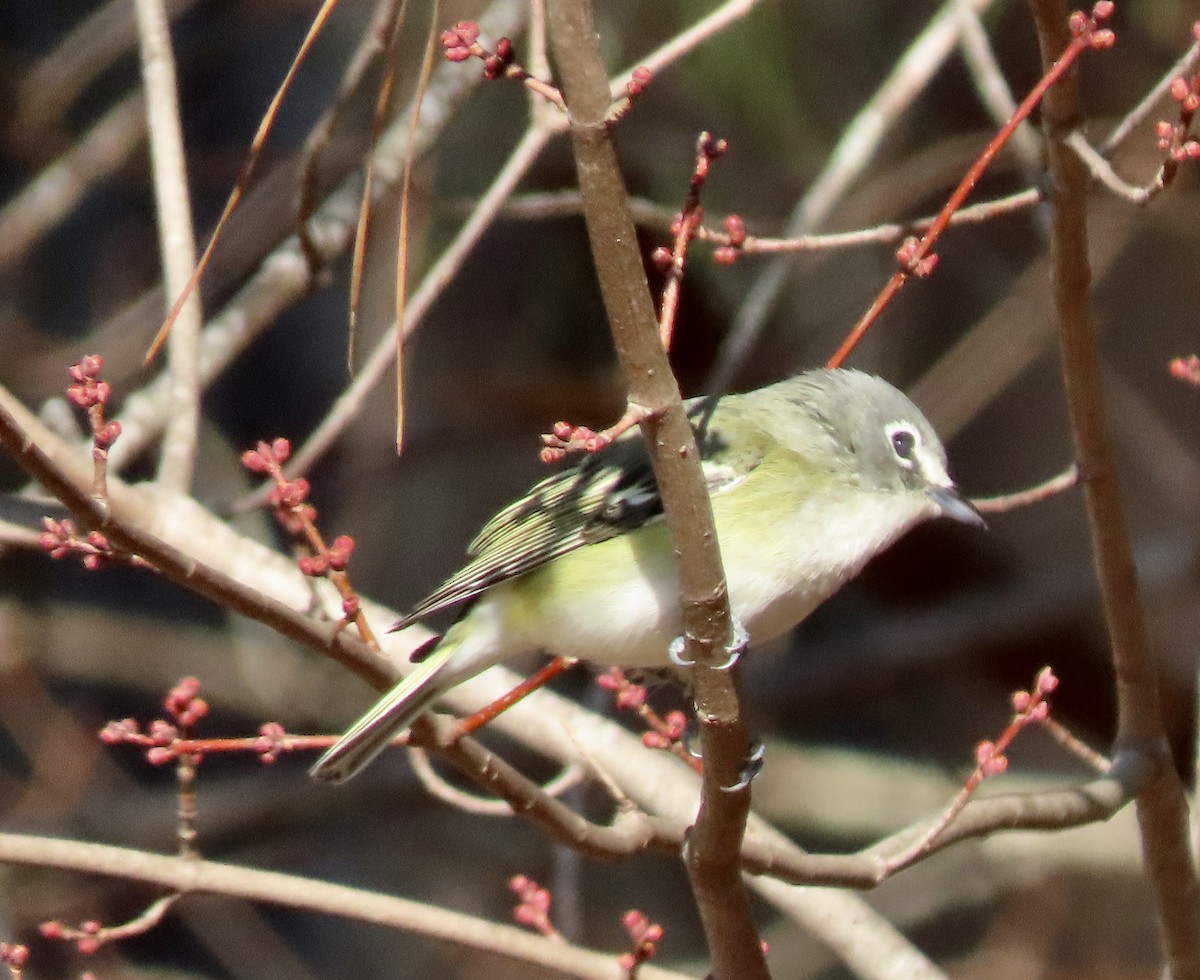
192	876
56	191
176	242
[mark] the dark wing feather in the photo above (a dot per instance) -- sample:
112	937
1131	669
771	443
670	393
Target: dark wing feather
607	493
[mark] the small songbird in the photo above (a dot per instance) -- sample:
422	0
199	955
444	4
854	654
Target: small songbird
809	479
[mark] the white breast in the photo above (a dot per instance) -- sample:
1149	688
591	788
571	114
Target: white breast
633	610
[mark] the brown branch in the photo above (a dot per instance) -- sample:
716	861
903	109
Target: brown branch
713	848
1162	808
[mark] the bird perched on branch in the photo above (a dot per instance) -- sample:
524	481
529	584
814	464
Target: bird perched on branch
809	479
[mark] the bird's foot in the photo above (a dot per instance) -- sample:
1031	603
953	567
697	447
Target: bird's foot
734	650
750	768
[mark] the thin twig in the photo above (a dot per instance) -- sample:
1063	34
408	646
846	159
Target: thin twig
287	274
176	243
410	156
572	776
49	88
1103	171
55	192
993	89
373	46
293	891
849	158
1137	115
243	178
651	215
1065	480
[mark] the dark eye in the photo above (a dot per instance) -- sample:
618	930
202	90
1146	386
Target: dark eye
903	443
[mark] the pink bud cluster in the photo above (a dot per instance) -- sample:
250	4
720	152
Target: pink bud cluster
86	388
270	741
496	63
664	732
735	229
628	696
534	907
673	727
184	704
336	558
646	936
160	738
88	392
638	81
1029	707
61	538
564	437
88	937
288	498
1173	138
1082	25
460	42
1187	369
910	260
14	955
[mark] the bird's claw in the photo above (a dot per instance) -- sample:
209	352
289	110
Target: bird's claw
734	650
675	653
737	646
750	769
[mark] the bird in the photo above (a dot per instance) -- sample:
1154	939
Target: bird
809	478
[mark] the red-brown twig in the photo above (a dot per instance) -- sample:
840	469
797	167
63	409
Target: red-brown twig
1029	707
915	256
462	42
473	723
289	498
686	223
664	733
90	393
566	438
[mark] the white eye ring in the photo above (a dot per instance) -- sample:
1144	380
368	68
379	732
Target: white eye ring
905	441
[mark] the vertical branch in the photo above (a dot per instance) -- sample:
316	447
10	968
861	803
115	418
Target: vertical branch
715	841
1161	806
176	242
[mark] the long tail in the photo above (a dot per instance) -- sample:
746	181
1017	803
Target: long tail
393	713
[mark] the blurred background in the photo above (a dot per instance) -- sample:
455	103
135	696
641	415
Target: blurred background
870	712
